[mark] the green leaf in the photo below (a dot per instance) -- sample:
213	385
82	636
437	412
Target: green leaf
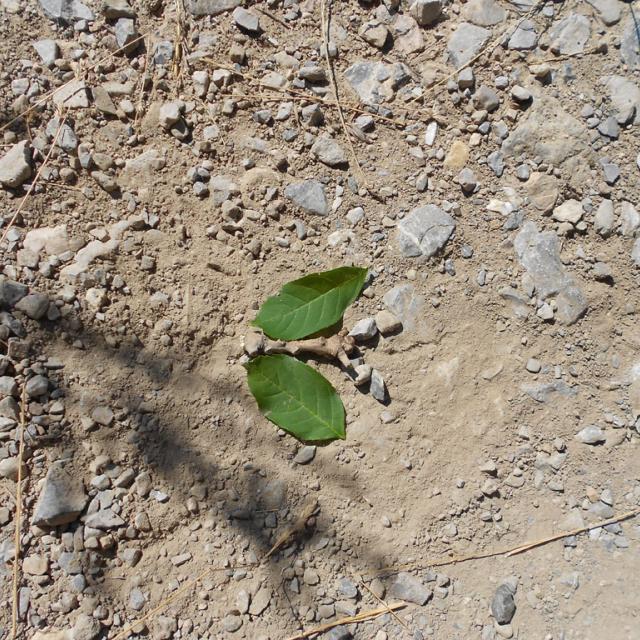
296	398
310	304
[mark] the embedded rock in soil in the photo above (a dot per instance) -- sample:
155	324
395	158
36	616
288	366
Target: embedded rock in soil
62	498
15	165
309	195
466	43
424	231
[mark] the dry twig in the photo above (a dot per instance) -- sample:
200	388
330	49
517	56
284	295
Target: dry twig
384	604
360	617
296	530
18	519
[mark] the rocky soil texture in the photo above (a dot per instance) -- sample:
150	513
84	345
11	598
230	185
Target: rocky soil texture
167	165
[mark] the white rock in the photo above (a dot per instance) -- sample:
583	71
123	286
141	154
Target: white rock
15	165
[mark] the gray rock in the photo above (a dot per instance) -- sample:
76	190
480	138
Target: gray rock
364	329
629	52
465	43
105	519
8	387
387	323
378	388
309	195
48	51
524	37
11	292
611	172
137	599
549	132
495	161
66	10
339	633
127	36
66	139
486	98
610	128
9	409
72	95
539	254
260	601
62	498
569	35
608	10
484	13
376	82
375	33
86	627
624	97
426	12
15	165
503	605
37	386
635	252
211	7
34	305
520	94
114	9
569	211
542	392
591	435
604	220
466	80
329	152
424	231
403	302
629	219
407	587
246	20
467	181
305	455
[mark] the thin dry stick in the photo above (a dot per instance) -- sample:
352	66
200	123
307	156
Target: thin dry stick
49	94
325	18
16	538
360	617
34	181
273	17
512	551
384	604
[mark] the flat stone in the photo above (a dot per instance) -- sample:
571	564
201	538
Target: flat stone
211	7
377	387
375	33
127	37
483	13
629	219
246	20
547	131
542	191
102	415
72	95
260	601
404	303
608	10
48	51
407	587
376	82
424	231
465	43
15	165
329	152
114	9
37	386
364	329
11	292
569	35
387	323
35	565
9	469
458	156
105	519
309	195
34	305
486	98
407	35
569	211
624	97
524	37
62	498
629	53
66	10
635	253
604	221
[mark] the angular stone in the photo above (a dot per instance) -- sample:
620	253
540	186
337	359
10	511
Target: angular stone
211	7
483	13
260	601
569	211
387	323
114	9
329	152
569	35
364	330
407	35
34	305
629	219
126	33
375	33
591	435
604	220
66	10
629	51
105	519
309	195
635	253
305	455
15	165
72	95
48	51
542	191
376	82
548	131
407	587
608	10
424	231
246	20
426	12
62	498
11	292
624	96
524	37
465	43
458	156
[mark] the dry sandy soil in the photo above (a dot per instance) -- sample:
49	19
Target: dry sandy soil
162	216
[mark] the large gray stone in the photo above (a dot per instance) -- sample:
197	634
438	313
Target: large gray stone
66	10
569	35
524	37
407	587
503	606
329	152
465	43
608	10
309	195
11	292
211	7
15	165
376	82
62	498
483	13
424	231
539	253
426	12
629	50
548	131
624	98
